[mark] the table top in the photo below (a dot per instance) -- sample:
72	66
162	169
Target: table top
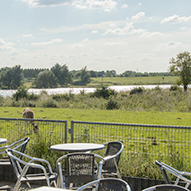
3	140
77	147
46	188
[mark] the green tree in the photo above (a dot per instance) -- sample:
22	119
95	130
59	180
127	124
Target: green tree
62	73
46	79
93	74
182	66
11	77
85	76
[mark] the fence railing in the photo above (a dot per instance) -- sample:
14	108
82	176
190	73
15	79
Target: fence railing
47	131
170	144
166	143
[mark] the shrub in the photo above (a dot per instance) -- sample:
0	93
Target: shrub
138	90
175	88
112	104
104	92
22	92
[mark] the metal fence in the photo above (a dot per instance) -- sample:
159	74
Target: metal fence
165	143
46	131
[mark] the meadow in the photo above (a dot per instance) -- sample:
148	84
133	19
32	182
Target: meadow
138	106
149	80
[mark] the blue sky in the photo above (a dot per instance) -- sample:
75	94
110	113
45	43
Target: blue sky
138	35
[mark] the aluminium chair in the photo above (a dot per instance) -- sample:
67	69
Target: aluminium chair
20	144
165	169
166	187
107	184
21	168
78	170
111	159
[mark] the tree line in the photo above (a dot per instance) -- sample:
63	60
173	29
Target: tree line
59	75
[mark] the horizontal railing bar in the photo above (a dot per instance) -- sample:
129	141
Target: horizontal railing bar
134	125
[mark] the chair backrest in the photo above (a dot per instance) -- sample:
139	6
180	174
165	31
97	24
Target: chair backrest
166	187
22	143
80	167
178	174
112	184
113	148
16	161
107	184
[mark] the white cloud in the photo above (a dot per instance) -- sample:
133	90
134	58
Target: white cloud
86	40
150	34
114	43
94	32
58	40
124	6
78	45
167	46
6	45
43	3
176	19
138	16
140	4
128	29
27	35
95	27
106	5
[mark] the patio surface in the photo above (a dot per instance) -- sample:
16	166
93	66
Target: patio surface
23	187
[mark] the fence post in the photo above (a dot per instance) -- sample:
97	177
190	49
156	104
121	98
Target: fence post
72	131
66	128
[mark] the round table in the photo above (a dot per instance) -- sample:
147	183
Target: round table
77	147
3	140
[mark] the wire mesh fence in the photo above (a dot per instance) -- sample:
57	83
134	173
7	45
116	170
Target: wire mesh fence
170	144
42	133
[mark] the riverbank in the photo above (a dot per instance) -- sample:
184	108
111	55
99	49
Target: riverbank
76	90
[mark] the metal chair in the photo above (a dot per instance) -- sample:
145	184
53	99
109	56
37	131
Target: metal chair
21	169
79	169
179	174
111	158
8	188
107	184
22	143
166	187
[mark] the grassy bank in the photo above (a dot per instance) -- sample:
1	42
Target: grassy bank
118	116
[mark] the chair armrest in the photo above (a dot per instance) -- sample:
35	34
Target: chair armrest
33	165
43	161
88	184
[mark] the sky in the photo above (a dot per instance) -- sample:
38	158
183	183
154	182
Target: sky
120	35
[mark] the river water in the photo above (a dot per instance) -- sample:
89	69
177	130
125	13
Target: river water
50	91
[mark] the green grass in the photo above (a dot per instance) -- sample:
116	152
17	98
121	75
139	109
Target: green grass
134	164
156	80
117	116
109	81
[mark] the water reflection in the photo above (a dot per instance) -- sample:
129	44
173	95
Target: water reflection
9	93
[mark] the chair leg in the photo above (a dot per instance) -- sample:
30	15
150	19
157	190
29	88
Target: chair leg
17	185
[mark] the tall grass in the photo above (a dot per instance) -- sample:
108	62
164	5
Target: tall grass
163	100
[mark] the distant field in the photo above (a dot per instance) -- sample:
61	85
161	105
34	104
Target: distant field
156	80
109	81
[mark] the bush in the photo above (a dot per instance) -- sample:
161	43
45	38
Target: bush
104	92
138	90
22	92
112	104
175	88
